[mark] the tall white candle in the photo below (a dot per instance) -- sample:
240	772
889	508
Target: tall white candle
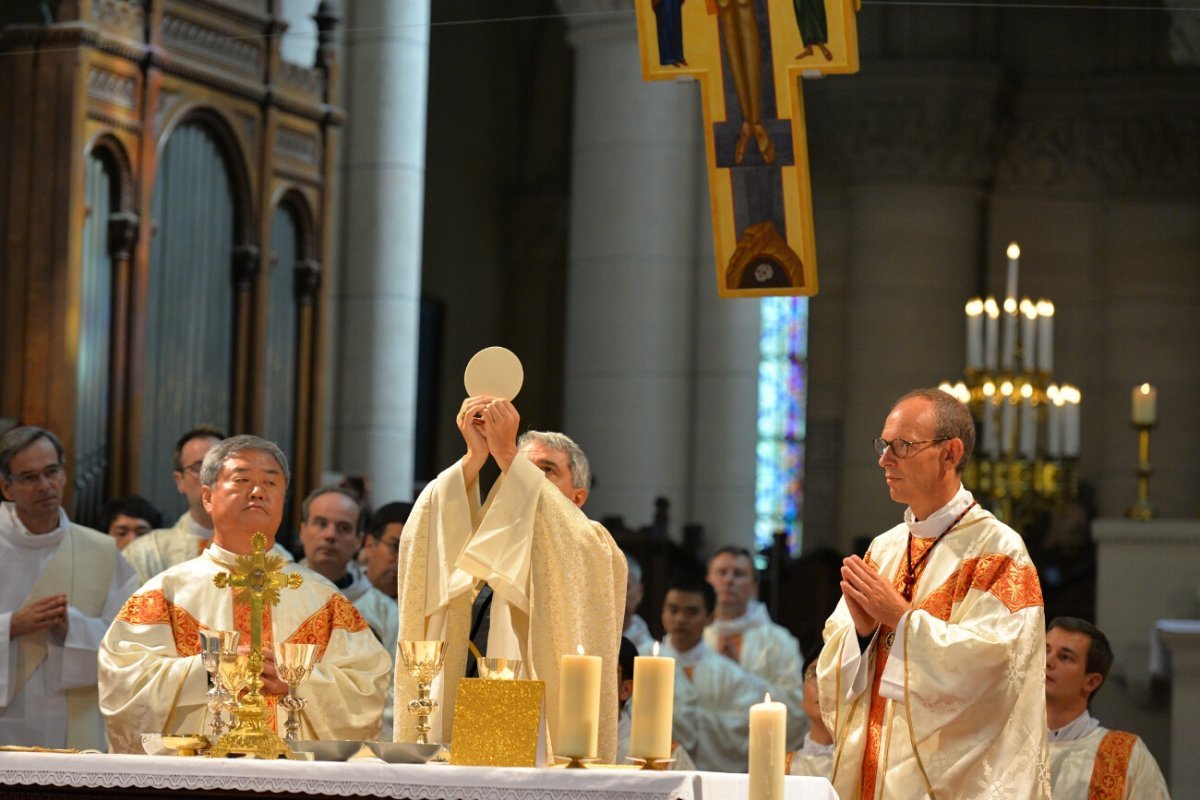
578	706
1028	427
1010	333
1028	325
1071	398
1145	405
991	435
974	333
653	706
992	334
768	745
1054	414
1008	413
1045	336
1014	255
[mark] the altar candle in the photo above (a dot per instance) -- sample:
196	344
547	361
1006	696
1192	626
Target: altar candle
1028	425
653	706
974	333
1071	398
768	735
578	705
1010	333
1054	413
1045	336
1029	317
1145	404
1007	418
1014	255
990	437
992	334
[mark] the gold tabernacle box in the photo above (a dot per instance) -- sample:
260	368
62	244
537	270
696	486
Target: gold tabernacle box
496	723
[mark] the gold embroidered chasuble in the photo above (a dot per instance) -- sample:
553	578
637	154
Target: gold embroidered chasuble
152	679
951	706
558	580
1105	765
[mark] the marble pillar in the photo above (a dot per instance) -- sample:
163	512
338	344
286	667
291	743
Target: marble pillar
632	267
382	174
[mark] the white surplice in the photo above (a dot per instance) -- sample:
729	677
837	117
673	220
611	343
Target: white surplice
959	708
62	688
152	679
1073	764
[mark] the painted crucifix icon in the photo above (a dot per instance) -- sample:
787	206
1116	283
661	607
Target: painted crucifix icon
749	57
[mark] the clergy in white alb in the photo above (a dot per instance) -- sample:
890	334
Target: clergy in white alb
713	694
63	584
152	679
192	532
331	533
742	630
930	677
1087	760
558	579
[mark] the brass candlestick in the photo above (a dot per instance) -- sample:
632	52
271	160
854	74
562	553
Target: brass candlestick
294	663
256	579
423	660
1143	509
212	645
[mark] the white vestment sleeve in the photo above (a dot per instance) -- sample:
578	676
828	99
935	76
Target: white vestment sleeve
891	683
84	633
6	658
451	520
855	668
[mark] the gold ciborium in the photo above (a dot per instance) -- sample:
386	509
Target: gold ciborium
423	660
294	663
213	644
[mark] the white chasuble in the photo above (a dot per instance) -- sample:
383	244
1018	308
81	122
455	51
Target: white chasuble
558	581
152	679
952	705
47	681
1105	765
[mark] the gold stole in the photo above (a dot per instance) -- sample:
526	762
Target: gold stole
1112	762
86	589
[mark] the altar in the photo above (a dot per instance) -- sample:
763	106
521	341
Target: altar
46	775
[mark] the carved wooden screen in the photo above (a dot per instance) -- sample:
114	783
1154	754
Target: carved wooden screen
95	341
189	315
280	389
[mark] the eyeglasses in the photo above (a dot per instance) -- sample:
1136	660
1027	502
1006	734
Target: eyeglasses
902	447
194	468
28	479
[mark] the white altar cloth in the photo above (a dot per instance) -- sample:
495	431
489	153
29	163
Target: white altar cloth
373	778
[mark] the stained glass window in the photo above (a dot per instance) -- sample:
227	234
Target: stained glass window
782	403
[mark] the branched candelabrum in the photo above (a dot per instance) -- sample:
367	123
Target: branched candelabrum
423	660
294	663
213	644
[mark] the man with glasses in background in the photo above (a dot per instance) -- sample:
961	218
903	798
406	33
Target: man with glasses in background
931	678
192	532
63	584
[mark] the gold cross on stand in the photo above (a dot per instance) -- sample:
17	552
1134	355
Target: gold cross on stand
256	579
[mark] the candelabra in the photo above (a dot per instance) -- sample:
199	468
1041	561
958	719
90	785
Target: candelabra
1027	442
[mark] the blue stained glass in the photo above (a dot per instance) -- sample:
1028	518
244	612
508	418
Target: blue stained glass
782	408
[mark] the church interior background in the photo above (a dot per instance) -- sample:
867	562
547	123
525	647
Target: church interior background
300	218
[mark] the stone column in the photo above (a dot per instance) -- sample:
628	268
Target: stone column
632	267
382	175
915	144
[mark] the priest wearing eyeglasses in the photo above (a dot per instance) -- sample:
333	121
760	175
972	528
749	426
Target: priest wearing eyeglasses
931	675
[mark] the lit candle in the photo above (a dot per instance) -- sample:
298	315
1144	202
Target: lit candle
1071	398
768	735
992	334
1028	325
653	705
990	437
975	334
1014	255
1010	333
1045	336
1028	424
1145	404
1054	412
578	705
1008	413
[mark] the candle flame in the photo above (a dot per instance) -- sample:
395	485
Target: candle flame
1006	388
1029	309
1045	308
989	389
945	387
1052	392
767	697
1010	305
654	650
991	308
1013	251
1027	390
1145	388
579	649
974	307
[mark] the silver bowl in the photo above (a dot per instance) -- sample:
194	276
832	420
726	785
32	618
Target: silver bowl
335	750
404	752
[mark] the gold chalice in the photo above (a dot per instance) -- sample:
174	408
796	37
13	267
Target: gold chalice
499	669
212	644
294	663
423	660
234	669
